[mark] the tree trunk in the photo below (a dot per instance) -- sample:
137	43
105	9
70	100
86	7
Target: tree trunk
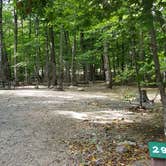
158	72
46	73
144	97
37	52
122	55
68	52
60	82
117	57
85	64
4	66
102	68
108	75
135	60
92	72
23	69
27	70
142	51
73	63
1	44
67	72
15	45
52	72
86	72
114	64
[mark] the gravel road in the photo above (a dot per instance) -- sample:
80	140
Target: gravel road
35	125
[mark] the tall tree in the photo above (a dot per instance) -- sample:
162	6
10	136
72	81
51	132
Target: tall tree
107	69
52	72
36	60
4	66
60	82
15	43
1	42
148	12
73	62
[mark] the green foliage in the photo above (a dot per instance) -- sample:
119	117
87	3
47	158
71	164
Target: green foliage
118	22
125	76
162	58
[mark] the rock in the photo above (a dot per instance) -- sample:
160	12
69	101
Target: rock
99	148
142	146
131	143
51	87
99	162
121	149
71	86
80	89
127	143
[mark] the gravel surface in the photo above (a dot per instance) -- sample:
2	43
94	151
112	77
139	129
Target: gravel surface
31	134
35	125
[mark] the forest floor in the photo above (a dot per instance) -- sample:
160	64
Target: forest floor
89	126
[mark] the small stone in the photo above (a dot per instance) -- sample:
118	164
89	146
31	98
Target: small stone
99	162
80	89
128	143
121	149
142	146
99	148
71	87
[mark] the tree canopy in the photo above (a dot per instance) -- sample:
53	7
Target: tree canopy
69	41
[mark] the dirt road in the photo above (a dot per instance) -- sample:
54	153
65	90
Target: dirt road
30	133
36	124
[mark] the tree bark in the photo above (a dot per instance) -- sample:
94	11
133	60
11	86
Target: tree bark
15	45
159	78
37	52
114	64
2	76
102	71
27	68
52	72
122	55
107	69
73	63
135	60
4	66
92	73
85	64
142	51
68	52
60	82
117	57
46	71
1	43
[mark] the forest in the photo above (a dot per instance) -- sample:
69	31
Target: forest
70	43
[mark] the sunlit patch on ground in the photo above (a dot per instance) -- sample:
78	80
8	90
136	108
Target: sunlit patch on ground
106	116
50	93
